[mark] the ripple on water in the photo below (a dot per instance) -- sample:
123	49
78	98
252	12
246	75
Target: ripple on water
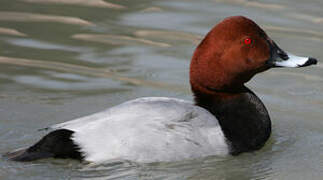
92	3
34	17
13	32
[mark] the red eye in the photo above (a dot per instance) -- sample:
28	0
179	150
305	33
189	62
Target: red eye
248	41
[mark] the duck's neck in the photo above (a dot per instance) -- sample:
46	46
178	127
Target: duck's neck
241	115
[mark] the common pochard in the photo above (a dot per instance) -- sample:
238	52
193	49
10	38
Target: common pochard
226	118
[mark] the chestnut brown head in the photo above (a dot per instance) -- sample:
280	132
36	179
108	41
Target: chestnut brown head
233	52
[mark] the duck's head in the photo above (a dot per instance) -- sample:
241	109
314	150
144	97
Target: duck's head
233	52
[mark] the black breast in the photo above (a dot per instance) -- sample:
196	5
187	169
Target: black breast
243	118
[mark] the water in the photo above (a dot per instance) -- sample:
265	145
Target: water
63	59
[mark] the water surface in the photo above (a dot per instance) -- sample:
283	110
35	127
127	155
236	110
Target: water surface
63	59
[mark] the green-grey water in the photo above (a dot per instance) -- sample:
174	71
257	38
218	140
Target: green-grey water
63	59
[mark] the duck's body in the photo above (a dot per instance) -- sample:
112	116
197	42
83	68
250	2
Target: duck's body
226	117
154	129
148	130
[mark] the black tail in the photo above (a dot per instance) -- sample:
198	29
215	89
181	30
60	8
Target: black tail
56	144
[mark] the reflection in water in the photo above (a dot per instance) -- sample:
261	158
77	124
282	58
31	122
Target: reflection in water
13	32
91	3
256	4
208	168
298	75
169	35
32	17
70	68
44	45
307	17
117	39
298	32
152	9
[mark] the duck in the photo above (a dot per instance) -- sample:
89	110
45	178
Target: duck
225	118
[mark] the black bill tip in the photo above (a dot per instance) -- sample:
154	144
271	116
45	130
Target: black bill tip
310	61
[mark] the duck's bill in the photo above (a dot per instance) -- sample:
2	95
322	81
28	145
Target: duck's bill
294	61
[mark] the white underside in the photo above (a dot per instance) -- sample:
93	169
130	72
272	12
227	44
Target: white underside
292	61
148	130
